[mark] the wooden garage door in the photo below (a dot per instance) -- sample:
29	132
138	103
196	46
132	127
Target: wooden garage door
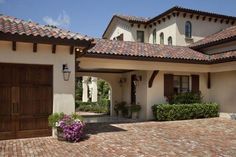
26	98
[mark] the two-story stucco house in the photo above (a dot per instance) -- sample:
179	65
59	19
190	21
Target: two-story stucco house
145	60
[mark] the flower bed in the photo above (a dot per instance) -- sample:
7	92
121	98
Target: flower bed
168	112
69	127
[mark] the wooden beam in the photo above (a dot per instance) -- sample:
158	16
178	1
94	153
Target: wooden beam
159	21
155	23
154	74
173	14
191	16
34	47
216	19
71	50
163	19
54	48
208	80
132	25
203	18
184	15
227	21
221	21
232	22
138	25
168	16
197	17
209	19
177	13
13	46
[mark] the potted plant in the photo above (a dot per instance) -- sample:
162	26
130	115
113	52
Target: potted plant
134	109
69	127
119	108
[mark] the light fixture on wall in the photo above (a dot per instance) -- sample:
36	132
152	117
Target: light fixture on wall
137	79
122	81
66	72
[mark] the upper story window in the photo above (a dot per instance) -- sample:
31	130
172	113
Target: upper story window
162	38
140	36
154	36
188	29
169	40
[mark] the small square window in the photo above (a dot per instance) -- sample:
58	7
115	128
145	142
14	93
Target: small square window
140	36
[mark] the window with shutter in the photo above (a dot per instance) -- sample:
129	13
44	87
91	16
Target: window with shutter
168	85
195	83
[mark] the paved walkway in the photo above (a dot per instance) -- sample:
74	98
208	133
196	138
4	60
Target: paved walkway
208	137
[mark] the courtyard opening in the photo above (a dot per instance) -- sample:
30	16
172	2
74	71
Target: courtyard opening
92	96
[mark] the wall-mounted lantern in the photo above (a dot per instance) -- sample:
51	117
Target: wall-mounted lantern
122	81
137	79
66	72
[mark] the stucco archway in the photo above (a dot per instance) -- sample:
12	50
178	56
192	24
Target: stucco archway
113	81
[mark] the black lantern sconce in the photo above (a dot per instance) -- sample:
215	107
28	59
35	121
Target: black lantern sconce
137	79
66	72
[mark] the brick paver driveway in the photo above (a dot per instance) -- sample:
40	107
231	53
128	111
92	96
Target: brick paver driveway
207	137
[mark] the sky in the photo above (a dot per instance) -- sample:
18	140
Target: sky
90	17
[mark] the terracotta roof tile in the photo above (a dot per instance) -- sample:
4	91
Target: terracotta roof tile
127	48
225	34
224	55
133	18
13	25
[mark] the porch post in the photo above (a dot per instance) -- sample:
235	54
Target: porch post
85	89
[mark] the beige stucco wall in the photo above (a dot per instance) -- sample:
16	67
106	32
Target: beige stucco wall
200	28
174	27
223	90
113	80
63	91
155	94
221	48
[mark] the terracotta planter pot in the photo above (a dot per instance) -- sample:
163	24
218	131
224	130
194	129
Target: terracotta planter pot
60	134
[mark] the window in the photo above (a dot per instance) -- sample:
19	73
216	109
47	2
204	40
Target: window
154	36
188	29
162	38
169	40
140	36
181	84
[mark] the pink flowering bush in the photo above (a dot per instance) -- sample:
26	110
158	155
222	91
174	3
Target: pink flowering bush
71	126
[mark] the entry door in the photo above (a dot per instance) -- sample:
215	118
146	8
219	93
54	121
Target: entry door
25	100
133	89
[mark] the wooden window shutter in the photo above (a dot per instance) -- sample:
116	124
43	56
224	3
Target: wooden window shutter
195	83
168	85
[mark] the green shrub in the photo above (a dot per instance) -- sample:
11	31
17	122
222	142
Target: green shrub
92	107
186	98
135	108
168	112
54	118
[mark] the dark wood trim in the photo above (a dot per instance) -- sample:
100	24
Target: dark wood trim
154	74
191	16
232	23
163	19
132	25
197	17
173	14
54	47
203	18
215	19
168	16
35	47
222	20
72	50
209	19
209	80
137	58
44	40
13	45
227	21
184	15
159	21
